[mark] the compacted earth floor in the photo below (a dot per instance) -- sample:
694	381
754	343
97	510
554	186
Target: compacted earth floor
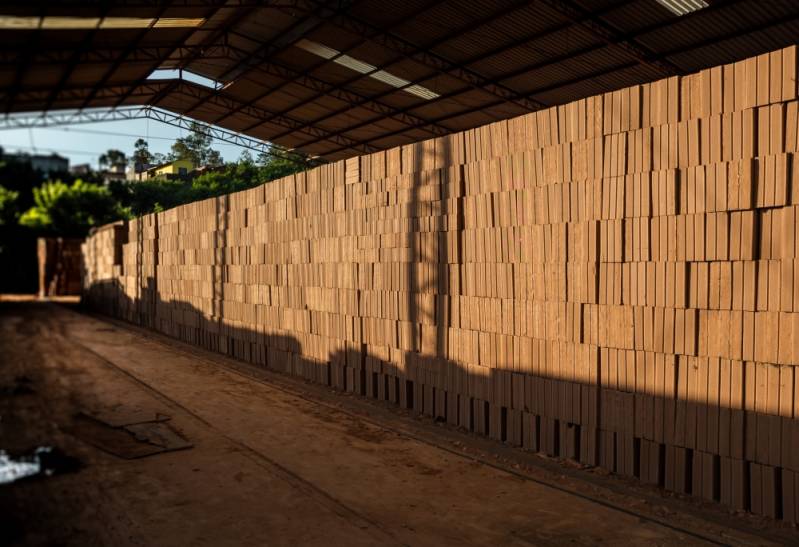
147	441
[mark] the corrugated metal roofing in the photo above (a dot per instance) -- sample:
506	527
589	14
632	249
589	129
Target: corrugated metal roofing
439	65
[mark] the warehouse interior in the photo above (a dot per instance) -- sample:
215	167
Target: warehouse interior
537	282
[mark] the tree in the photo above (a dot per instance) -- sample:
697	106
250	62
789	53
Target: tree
214	159
141	155
279	162
196	147
246	158
20	177
113	159
67	210
8	206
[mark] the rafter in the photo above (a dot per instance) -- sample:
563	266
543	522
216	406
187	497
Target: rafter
282	41
773	22
73	63
23	62
423	56
105	55
528	69
155	4
209	40
225	102
611	36
323	88
123	57
526	39
338	90
67	93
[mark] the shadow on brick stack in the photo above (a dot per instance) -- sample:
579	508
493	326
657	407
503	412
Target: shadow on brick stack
59	266
613	280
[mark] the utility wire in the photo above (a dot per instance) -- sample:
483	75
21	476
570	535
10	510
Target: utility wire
131	135
62	150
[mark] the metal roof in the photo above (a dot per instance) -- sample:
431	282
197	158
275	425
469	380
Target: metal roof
345	77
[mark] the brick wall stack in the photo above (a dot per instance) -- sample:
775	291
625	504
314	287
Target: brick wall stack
615	280
101	269
59	261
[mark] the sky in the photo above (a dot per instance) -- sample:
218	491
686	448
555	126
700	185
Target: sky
84	143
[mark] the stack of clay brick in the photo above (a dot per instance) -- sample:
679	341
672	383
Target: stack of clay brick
59	266
100	267
615	280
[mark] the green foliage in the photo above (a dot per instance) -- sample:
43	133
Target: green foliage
9	210
112	159
20	177
70	207
196	147
141	154
278	163
70	210
139	198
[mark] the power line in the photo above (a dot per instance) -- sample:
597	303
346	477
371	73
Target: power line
56	150
110	133
131	135
118	134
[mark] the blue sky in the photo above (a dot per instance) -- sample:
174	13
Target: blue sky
84	143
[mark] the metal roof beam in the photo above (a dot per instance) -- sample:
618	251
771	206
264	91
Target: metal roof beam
122	58
211	39
284	40
420	55
533	67
225	135
225	102
475	59
337	88
23	62
63	7
104	55
56	118
73	63
39	96
599	73
610	35
326	89
75	117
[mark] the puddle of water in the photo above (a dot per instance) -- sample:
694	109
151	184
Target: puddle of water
11	470
44	461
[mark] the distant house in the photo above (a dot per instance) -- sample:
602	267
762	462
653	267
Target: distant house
138	171
47	164
116	172
81	169
170	170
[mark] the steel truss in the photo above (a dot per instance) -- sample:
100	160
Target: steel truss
57	118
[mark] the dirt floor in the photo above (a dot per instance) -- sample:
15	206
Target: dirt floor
276	461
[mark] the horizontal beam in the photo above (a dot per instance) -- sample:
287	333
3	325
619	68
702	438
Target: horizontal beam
227	103
173	87
64	7
77	117
323	88
100	55
61	117
395	43
35	96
